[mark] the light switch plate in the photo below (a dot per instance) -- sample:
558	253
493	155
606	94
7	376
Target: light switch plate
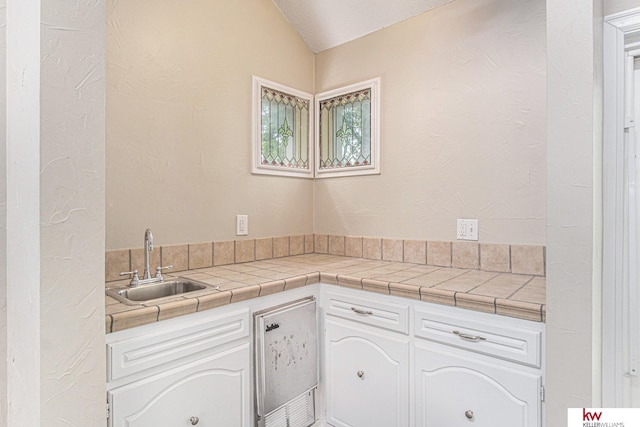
242	225
467	229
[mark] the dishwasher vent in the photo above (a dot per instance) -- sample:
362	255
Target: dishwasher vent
297	413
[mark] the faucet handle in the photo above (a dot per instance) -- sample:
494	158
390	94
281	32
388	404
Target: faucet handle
135	280
159	271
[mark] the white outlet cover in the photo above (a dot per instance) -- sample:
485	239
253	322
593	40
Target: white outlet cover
467	229
242	225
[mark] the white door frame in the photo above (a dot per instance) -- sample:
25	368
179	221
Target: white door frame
616	364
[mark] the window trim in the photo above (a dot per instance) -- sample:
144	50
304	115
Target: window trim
257	167
374	167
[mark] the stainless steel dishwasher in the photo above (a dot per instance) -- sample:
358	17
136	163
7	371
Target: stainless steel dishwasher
286	364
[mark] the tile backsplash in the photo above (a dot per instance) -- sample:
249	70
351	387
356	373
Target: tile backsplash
501	258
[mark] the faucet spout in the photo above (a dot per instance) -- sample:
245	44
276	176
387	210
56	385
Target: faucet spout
148	247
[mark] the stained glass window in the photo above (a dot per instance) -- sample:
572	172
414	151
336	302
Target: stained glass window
347	130
282	130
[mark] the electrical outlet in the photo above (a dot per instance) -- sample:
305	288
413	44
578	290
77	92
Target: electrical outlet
242	225
467	229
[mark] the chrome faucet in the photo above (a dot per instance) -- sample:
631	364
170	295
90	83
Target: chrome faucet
146	275
148	247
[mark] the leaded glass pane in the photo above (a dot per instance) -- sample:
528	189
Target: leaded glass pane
345	130
284	129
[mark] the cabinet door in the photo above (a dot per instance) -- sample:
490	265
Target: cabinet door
212	391
454	388
366	373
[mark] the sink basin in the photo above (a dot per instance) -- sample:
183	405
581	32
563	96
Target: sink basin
153	291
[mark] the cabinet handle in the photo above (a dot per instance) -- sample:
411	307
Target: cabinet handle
194	420
469	414
363	312
360	374
472	338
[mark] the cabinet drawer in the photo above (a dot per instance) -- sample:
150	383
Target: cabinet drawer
504	340
129	356
383	314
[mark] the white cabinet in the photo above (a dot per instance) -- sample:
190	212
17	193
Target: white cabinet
472	368
454	388
385	361
194	370
395	362
211	391
366	369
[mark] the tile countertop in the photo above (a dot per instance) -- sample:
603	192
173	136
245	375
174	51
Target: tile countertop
507	294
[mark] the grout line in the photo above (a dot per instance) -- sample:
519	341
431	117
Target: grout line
520	288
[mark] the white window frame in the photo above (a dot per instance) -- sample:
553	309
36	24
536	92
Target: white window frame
374	167
257	167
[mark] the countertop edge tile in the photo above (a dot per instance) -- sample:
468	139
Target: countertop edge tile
476	302
177	308
404	290
349	282
377	286
295	282
132	318
270	288
329	278
120	316
438	296
214	300
519	309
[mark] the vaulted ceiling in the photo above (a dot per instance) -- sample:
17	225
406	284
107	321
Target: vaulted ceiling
323	24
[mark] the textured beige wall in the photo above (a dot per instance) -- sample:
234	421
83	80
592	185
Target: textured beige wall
179	120
574	130
72	222
52	178
463	125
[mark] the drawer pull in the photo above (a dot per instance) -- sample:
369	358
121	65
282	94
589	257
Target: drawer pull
469	414
194	420
363	312
360	374
467	337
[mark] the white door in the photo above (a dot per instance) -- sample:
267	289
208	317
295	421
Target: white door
211	392
621	212
457	388
631	330
366	376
